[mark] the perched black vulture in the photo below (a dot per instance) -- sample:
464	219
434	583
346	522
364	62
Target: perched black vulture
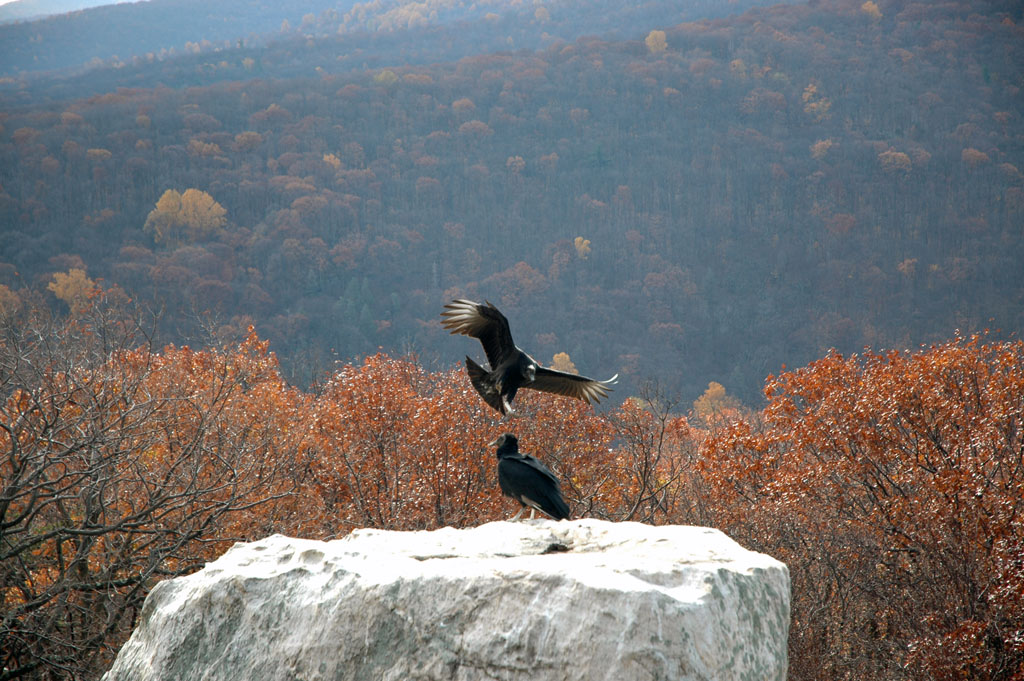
527	480
511	368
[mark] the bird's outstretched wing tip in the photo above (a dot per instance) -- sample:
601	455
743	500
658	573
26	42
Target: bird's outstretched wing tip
457	315
457	305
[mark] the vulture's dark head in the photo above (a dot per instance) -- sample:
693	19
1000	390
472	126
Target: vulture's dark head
506	444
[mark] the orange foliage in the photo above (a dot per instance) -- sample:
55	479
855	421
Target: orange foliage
122	465
401	448
974	158
475	128
388	457
892	486
894	161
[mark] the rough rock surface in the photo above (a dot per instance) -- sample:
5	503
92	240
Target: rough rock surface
534	600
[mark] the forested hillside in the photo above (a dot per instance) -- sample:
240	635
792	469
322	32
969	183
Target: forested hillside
27	10
710	203
141	33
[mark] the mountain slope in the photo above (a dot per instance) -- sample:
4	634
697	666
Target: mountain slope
22	10
123	35
746	194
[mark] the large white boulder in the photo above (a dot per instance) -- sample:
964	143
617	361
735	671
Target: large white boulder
533	600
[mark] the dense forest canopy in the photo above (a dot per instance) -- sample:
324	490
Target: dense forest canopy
707	204
156	30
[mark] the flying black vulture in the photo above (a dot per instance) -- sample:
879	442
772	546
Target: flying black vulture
511	368
527	480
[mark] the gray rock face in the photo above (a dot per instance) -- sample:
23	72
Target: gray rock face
537	600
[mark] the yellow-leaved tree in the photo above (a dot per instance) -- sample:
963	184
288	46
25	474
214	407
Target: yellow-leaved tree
871	9
562	362
73	287
582	247
192	216
715	403
656	42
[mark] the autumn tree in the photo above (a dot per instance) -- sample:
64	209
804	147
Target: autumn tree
715	404
177	218
815	104
656	42
73	287
654	456
562	362
974	158
870	8
386	77
893	161
463	105
397	449
401	448
247	141
582	247
122	466
891	484
820	148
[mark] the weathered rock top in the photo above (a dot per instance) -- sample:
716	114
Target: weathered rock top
536	600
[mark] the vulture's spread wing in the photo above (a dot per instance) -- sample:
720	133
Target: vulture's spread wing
483	322
571	385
